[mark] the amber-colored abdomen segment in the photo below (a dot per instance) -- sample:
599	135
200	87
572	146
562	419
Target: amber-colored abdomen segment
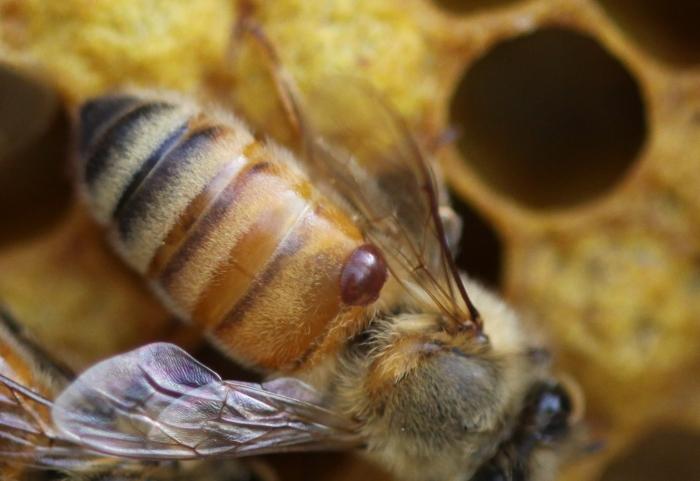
228	230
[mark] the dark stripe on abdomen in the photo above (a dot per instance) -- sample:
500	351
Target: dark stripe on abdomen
149	165
290	246
117	138
97	113
210	220
176	162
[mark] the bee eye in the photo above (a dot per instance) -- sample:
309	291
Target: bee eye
551	412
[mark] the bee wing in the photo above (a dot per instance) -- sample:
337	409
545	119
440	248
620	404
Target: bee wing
360	145
157	402
26	435
26	438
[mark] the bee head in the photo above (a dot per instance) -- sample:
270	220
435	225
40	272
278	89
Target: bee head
546	422
452	409
444	405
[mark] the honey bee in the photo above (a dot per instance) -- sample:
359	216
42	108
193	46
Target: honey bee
329	270
31	446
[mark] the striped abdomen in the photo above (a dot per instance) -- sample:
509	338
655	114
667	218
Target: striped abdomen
230	233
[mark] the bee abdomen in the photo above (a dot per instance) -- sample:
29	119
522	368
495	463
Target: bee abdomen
117	135
97	115
144	161
230	233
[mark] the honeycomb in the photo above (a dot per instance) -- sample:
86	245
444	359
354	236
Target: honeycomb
576	167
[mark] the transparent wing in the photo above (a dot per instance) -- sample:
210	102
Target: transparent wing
356	142
362	150
25	436
157	402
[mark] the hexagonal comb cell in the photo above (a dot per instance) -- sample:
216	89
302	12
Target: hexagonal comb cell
480	251
668	29
549	119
